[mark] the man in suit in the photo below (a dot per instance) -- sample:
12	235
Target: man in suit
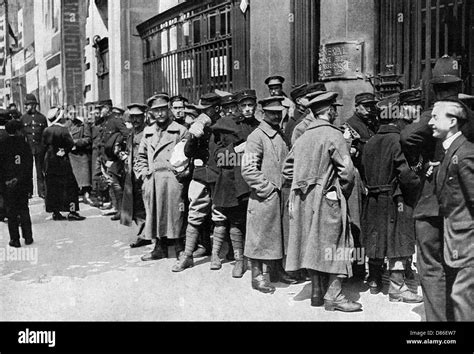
455	193
422	149
34	123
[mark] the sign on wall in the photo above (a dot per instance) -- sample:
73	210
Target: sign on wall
341	61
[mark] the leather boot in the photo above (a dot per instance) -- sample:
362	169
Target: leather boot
259	281
278	274
185	261
398	291
317	295
375	278
335	300
156	254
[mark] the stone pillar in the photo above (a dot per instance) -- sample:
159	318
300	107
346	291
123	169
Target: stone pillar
270	43
350	20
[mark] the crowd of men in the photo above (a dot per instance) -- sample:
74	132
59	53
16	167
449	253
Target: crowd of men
291	192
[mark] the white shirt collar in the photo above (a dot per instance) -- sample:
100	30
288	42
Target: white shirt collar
447	143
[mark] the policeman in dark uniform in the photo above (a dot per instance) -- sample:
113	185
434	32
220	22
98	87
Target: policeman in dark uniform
112	125
34	123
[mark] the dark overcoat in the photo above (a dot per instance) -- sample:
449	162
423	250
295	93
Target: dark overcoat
388	228
320	236
61	185
80	155
231	189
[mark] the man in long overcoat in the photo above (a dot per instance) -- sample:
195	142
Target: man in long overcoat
388	228
62	191
265	152
133	208
162	193
321	172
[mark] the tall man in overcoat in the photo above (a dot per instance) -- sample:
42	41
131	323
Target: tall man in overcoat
162	192
34	123
455	193
265	152
321	173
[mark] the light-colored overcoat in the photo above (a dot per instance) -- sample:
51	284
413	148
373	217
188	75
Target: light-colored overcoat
265	153
162	193
320	237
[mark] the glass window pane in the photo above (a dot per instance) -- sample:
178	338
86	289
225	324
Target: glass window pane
212	27
173	38
196	31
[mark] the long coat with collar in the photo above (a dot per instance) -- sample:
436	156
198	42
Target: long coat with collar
320	237
455	192
133	208
162	193
61	185
388	228
265	153
80	156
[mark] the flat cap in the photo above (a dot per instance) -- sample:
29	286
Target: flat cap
323	100
229	99
273	103
158	101
246	94
410	96
136	108
208	100
298	91
365	97
274	80
118	110
103	103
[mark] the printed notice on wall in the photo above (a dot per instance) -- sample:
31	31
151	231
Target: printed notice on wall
342	60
